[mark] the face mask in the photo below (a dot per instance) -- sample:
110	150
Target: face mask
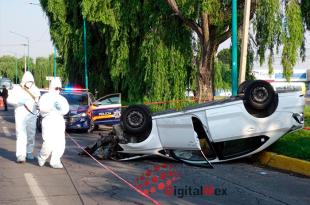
28	85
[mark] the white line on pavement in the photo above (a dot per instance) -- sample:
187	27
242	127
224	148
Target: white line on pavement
35	189
6	131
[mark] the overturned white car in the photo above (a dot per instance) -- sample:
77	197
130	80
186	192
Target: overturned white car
210	132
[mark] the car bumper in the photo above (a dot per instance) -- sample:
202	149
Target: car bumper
75	123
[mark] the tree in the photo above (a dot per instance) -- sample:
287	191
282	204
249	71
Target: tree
8	67
133	48
144	48
211	21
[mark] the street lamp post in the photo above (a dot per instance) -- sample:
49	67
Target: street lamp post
55	61
27	38
25	66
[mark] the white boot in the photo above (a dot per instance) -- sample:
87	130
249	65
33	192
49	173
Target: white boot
21	159
57	166
41	161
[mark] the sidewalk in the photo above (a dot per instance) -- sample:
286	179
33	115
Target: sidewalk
28	183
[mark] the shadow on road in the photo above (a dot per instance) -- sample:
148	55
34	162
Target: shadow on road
7	154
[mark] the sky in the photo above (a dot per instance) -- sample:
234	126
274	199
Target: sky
29	20
300	65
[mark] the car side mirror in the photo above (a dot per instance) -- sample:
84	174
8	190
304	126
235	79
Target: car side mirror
95	104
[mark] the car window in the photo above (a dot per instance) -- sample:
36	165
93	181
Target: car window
91	97
76	98
193	157
8	83
109	100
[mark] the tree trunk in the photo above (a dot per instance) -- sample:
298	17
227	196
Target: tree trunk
205	75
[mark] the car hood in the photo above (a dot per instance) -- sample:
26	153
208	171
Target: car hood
77	109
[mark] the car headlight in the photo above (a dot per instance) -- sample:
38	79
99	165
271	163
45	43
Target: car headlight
83	114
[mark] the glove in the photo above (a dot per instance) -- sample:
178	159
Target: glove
57	106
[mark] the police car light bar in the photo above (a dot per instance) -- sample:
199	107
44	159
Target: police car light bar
74	89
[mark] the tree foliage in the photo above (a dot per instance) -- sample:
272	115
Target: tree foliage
133	47
144	48
222	68
13	68
280	23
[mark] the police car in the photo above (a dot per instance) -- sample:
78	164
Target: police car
86	113
105	111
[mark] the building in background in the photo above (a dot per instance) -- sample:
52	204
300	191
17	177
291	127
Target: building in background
300	80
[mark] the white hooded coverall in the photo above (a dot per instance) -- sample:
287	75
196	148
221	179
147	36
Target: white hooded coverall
53	107
25	114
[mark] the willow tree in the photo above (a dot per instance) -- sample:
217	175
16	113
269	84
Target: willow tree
8	67
144	48
276	23
133	47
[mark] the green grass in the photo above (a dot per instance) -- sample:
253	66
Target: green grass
296	144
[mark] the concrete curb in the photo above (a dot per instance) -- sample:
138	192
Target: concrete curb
285	163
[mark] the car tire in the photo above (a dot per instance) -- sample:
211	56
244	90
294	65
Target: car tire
137	120
243	86
259	94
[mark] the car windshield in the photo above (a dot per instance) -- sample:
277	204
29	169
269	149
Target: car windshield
76	98
6	82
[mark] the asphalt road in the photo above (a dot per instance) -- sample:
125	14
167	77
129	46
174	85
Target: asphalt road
85	181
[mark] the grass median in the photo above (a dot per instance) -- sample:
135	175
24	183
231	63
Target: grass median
296	144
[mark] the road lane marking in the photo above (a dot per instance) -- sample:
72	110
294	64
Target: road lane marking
6	131
35	189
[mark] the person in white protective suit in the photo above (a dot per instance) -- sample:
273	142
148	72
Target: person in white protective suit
53	107
24	98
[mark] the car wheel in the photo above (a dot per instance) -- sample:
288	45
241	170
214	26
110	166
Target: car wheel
259	94
243	86
137	120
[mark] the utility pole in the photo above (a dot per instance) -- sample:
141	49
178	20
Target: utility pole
245	39
85	54
55	61
25	66
16	69
234	50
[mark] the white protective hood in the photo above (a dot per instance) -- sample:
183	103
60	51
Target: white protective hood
27	77
55	82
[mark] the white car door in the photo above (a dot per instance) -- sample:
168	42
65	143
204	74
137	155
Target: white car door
177	134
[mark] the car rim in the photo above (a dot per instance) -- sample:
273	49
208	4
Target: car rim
260	94
135	119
